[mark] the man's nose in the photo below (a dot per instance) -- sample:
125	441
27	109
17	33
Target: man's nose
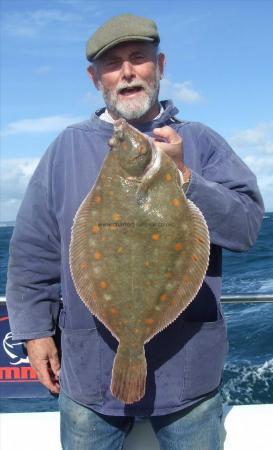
127	70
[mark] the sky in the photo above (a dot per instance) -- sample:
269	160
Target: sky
219	72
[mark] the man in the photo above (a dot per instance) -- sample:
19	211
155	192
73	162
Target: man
186	360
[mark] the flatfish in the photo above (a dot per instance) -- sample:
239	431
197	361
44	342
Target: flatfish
139	251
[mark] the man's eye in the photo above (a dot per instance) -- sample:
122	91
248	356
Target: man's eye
113	63
138	58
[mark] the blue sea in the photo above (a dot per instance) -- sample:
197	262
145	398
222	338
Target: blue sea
248	375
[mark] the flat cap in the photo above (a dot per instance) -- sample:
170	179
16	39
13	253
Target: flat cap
122	28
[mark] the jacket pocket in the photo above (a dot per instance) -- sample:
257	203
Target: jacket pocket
80	367
205	355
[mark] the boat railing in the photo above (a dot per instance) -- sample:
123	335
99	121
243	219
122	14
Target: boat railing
247	298
234	298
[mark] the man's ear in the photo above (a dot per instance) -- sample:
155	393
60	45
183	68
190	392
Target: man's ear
161	64
92	73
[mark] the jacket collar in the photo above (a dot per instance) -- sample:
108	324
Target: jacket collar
169	111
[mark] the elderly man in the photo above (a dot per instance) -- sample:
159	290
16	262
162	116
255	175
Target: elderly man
185	360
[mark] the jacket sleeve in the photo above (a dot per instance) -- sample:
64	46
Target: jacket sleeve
226	192
33	286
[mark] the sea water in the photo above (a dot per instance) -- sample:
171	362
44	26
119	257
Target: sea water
248	374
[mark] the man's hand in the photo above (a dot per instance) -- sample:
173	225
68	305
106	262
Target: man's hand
43	357
173	146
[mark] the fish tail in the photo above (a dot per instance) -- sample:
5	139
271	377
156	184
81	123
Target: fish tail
129	375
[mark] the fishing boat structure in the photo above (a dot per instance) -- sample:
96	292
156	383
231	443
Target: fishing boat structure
244	427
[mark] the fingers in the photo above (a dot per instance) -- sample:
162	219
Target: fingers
55	370
168	134
55	364
43	357
47	378
172	144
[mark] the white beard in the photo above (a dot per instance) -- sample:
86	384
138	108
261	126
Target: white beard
133	108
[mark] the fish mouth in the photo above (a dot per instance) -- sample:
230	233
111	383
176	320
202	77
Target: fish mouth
141	156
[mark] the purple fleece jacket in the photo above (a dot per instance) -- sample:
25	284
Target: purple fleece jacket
185	361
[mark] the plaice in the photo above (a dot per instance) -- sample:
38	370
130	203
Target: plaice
139	251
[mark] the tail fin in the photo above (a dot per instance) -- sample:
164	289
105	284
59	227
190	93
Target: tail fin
129	375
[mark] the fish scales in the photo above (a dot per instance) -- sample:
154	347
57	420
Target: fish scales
139	251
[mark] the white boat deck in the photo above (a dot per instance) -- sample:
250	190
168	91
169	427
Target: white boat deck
246	427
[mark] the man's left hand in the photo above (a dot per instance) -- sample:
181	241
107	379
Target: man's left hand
173	147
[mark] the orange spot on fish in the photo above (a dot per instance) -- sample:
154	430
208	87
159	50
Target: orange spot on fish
136	330
94	296
125	146
114	311
83	265
200	239
155	237
95	229
97	255
163	297
194	258
178	246
98	199
111	193
116	217
175	202
146	263
103	285
149	321
186	279
147	282
142	149
168	177
168	274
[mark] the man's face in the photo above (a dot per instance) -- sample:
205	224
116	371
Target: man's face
128	77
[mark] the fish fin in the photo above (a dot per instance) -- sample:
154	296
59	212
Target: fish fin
129	376
199	258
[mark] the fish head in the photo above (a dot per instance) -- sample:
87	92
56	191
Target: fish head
133	148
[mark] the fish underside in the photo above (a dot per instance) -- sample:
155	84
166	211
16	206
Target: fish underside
139	251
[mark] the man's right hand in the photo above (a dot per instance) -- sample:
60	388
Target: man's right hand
43	357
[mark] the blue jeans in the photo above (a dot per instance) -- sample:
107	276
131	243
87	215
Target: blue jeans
197	428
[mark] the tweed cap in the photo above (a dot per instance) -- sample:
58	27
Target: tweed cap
123	28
